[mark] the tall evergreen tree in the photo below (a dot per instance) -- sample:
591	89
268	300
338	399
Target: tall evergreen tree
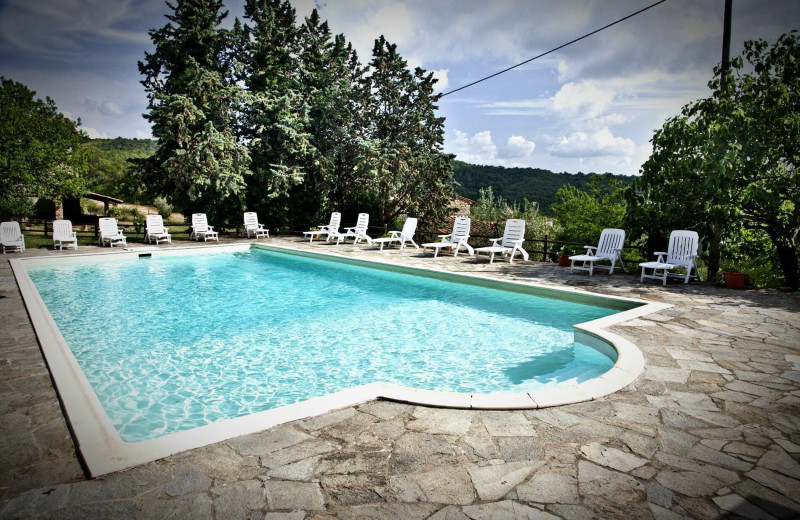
274	122
412	173
331	79
193	108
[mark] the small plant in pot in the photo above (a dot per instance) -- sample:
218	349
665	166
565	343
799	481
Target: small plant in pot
563	255
733	275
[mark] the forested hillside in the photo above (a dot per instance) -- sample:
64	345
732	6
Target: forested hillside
515	184
108	169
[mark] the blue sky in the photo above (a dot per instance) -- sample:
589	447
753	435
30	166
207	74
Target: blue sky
590	107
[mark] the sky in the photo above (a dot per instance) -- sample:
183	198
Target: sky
590	107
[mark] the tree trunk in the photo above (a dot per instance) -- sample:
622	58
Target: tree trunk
787	256
714	247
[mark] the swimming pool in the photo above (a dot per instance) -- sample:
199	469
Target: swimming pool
172	344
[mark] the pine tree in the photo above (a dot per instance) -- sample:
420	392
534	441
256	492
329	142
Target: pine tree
193	109
331	79
275	119
413	174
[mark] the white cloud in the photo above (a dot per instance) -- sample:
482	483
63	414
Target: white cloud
141	134
585	99
517	147
93	133
595	144
443	81
478	149
106	107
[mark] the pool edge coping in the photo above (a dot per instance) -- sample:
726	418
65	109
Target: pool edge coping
103	451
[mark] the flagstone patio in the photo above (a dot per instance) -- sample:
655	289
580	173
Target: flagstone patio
711	429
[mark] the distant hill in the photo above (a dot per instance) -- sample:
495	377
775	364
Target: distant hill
129	148
516	184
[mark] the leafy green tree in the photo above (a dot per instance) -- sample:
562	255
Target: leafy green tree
583	214
729	160
411	173
39	151
493	208
193	107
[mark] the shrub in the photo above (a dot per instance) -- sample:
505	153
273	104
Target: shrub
163	207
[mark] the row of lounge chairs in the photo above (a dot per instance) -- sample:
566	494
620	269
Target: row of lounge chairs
682	251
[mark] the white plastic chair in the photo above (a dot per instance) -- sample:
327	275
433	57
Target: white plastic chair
609	248
155	230
63	235
682	252
200	228
455	240
11	237
510	244
401	237
251	226
326	229
109	232
357	232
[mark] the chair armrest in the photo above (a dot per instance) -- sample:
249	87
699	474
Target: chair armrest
395	234
518	242
661	256
590	250
495	241
443	236
211	229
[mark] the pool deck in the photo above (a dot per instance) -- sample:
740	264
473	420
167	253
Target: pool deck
711	429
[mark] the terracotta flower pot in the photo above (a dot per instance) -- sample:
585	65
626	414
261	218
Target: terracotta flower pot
563	261
734	280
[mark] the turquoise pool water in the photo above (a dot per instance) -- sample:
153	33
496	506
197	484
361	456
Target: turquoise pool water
170	343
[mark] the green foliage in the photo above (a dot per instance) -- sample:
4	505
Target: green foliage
729	161
163	207
193	107
516	184
109	170
583	214
411	173
38	151
491	208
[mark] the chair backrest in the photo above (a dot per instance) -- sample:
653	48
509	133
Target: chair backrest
610	241
336	219
409	227
362	223
682	245
199	222
62	230
250	219
10	232
515	230
461	228
155	224
108	226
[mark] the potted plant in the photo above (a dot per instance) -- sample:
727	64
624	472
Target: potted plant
563	255
733	275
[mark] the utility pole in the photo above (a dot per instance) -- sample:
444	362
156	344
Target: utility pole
726	43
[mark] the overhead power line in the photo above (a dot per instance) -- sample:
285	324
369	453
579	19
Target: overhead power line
555	49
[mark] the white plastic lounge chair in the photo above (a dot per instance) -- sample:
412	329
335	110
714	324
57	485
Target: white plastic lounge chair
682	252
200	228
110	233
510	244
455	240
155	230
251	226
63	236
401	237
609	247
357	232
325	229
11	237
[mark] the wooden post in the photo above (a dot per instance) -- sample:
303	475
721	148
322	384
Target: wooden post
544	253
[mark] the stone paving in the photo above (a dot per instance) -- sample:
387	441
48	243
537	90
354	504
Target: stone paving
711	429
